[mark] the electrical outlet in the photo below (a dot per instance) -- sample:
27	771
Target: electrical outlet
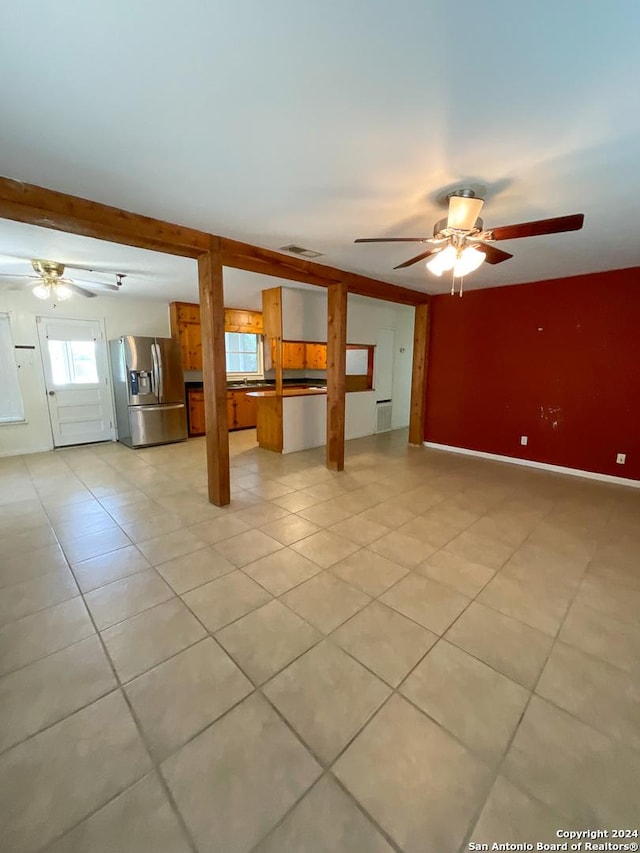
621	458
524	440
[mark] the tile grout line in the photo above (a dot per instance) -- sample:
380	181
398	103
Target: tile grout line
553	645
155	767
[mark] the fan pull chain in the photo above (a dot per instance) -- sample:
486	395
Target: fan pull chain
453	284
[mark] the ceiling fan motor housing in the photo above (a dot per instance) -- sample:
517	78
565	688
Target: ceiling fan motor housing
48	269
441	229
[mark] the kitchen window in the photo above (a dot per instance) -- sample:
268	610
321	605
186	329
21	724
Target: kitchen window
11	405
244	354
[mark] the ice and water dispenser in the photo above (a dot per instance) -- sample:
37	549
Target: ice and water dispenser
140	382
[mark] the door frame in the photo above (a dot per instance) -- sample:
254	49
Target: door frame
99	321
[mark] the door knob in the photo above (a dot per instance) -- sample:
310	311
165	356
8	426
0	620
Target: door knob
52	393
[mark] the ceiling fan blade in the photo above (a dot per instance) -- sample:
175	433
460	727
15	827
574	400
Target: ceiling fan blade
539	227
13	282
88	269
391	240
494	255
79	290
463	212
101	284
417	258
13	275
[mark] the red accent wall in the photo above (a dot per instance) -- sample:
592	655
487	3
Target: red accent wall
558	361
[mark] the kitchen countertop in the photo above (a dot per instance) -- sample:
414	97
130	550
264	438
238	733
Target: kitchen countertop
289	392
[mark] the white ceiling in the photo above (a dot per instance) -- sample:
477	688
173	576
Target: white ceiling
318	123
149	275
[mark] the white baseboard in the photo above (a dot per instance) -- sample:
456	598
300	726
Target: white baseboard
529	463
25	451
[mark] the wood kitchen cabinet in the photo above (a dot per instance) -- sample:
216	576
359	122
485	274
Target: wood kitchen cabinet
239	320
293	355
231	409
241	410
297	355
316	356
245	410
195	402
185	326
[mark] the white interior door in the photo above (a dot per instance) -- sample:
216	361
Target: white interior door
74	358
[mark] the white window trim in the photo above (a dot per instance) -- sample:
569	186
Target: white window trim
246	375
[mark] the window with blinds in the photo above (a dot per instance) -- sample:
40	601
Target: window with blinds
11	405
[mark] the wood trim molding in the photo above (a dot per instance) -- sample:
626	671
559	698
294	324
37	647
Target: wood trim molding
214	375
418	406
336	367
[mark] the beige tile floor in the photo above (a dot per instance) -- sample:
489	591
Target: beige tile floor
419	652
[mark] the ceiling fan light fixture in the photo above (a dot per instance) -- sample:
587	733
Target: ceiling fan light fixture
468	261
443	261
42	291
61	291
463	212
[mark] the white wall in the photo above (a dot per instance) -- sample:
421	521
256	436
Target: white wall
304	315
365	317
304	422
121	316
305	318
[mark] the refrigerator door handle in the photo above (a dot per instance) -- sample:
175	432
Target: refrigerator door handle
157	372
155	407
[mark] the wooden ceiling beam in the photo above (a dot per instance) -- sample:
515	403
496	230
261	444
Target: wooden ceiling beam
34	205
245	256
50	209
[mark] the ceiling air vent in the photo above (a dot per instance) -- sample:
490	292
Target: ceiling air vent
300	250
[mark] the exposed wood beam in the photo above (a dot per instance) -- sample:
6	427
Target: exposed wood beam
245	256
214	373
50	209
418	407
336	366
35	205
362	286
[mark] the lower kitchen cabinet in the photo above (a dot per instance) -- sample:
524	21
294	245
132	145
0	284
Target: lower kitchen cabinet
245	411
195	400
241	411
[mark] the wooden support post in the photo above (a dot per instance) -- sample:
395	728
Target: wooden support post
336	364
214	373
418	409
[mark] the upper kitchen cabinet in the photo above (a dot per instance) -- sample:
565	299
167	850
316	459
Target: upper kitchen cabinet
185	326
239	320
316	356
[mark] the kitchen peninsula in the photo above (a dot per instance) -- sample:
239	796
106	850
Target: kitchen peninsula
291	420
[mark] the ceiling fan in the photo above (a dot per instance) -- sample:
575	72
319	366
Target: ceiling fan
460	243
49	281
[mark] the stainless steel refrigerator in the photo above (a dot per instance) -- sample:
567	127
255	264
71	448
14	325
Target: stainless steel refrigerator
148	387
